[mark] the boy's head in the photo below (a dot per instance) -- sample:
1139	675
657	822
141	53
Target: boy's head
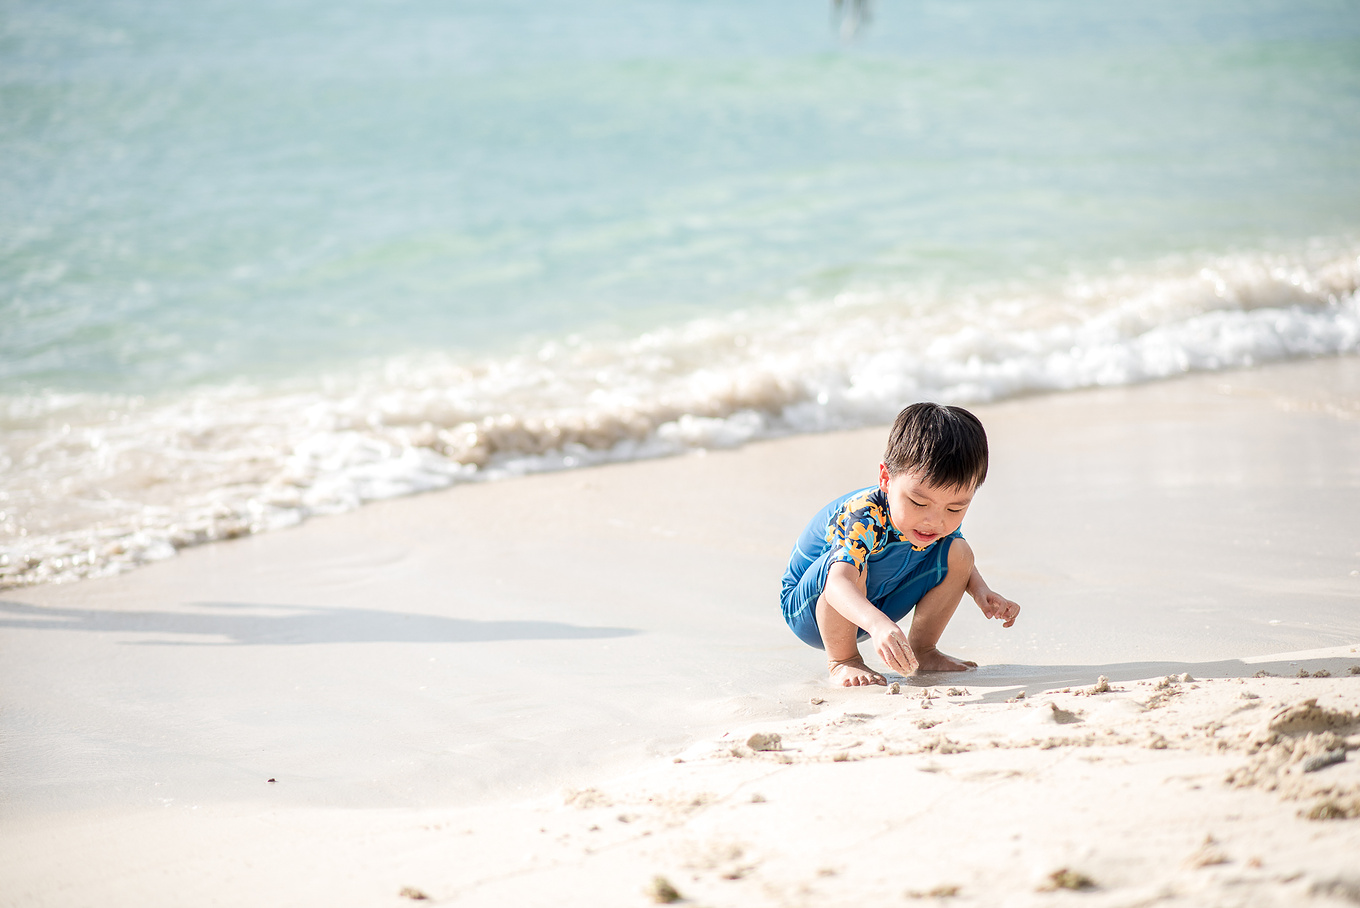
941	446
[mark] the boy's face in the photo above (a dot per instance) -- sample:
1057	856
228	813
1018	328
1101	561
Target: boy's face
921	512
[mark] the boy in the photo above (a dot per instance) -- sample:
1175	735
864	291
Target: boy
871	556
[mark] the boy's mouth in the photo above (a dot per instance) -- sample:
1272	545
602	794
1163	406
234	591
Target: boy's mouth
925	537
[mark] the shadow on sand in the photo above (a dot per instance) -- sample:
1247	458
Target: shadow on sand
234	623
1034	679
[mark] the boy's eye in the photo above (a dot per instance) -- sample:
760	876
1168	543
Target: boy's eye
919	504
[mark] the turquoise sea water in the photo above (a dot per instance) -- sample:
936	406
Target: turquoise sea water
260	261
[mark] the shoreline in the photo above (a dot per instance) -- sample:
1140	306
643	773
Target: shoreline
455	654
1345	403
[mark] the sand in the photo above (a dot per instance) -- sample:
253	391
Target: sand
479	695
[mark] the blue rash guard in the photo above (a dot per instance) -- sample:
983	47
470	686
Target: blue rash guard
857	528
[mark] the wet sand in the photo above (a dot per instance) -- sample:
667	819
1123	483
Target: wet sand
424	678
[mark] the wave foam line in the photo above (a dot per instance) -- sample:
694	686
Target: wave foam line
93	486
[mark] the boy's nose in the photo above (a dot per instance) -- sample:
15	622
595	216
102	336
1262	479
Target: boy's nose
937	520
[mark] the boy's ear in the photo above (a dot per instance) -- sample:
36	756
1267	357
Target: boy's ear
883	477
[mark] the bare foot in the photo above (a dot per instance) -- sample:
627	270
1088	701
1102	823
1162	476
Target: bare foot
932	660
854	673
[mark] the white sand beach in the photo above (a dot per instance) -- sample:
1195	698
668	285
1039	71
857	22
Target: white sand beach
479	696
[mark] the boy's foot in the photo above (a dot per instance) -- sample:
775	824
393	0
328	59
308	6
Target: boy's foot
854	673
932	660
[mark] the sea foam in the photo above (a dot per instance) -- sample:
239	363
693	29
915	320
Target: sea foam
94	484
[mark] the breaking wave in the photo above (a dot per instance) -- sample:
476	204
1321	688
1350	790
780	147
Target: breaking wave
93	485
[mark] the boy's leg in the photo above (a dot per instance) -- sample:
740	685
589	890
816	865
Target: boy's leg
840	638
933	612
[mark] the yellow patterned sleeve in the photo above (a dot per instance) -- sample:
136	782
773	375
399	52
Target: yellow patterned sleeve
858	531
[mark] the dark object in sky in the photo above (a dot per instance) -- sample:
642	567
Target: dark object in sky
852	15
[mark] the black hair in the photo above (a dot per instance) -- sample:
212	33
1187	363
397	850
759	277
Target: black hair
943	446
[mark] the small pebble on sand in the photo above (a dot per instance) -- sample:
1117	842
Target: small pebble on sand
939	892
1323	760
764	741
1067	879
662	892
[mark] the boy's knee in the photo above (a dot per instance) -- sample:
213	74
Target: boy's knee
960	557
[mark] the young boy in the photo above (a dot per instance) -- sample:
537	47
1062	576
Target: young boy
871	556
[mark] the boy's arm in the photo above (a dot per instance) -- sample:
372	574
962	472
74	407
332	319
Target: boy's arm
992	603
845	593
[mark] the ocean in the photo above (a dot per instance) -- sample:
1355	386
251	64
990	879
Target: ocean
265	261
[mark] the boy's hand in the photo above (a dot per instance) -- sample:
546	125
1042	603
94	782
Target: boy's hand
891	645
995	605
